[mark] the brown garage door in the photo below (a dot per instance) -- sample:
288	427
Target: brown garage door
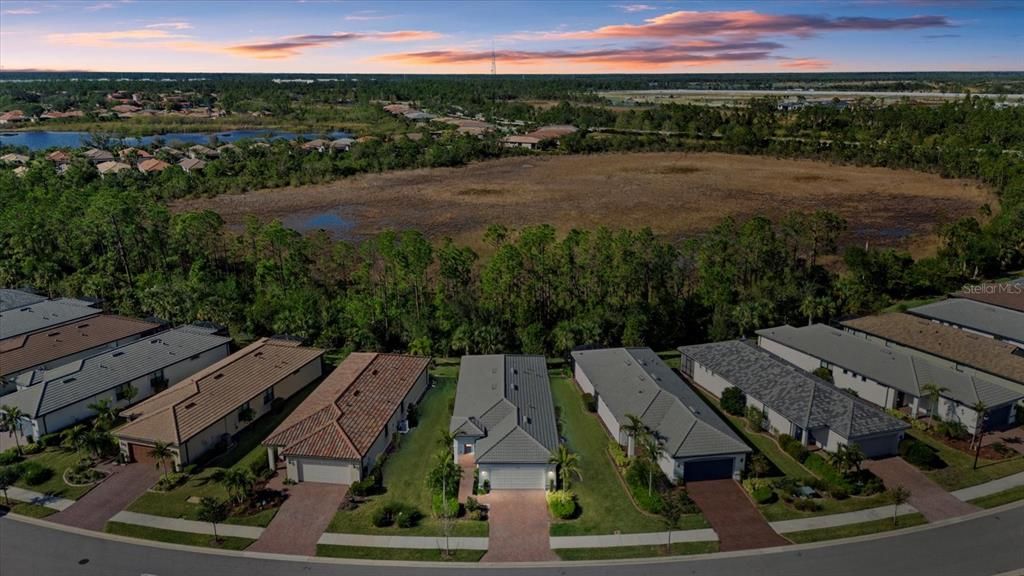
140	453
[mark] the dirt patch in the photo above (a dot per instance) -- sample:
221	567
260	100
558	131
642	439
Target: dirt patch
677	195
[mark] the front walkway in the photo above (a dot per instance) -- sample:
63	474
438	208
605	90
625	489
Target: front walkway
738	522
519	526
118	490
468	465
302	519
928	497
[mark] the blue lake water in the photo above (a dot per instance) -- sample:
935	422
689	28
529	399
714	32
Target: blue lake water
332	223
47	139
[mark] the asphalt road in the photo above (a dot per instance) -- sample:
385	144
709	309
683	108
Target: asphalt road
983	545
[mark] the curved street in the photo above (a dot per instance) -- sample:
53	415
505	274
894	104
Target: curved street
984	544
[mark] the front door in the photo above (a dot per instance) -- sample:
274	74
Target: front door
467	448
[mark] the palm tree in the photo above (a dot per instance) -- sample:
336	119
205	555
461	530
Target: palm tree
654	448
635	429
981	411
238	482
814	307
933	392
161	452
75	438
446	440
568	465
105	412
130	393
12	417
98	441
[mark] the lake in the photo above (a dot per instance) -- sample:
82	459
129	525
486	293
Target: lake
46	139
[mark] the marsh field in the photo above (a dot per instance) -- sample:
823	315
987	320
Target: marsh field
676	194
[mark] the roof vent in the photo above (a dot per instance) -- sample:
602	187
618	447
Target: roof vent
190	405
57	333
154	341
72	379
218	376
116	354
86	325
258	354
356	393
375	372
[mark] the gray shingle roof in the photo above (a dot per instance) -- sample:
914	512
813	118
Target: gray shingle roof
42	315
890	367
800	397
10	298
987	318
636	381
507	398
51	390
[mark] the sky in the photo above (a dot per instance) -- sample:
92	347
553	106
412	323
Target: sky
525	37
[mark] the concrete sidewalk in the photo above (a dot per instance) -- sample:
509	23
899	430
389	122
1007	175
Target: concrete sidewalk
179	525
418	542
641	539
833	520
22	495
990	487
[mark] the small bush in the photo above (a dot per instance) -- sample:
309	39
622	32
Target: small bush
8	457
785	440
953	430
260	468
797	451
807	505
170	481
618	454
408	517
486	486
734	401
472	504
33	448
562	504
382	517
839	492
590	402
50	440
764	494
35	473
365	487
755	419
445	507
872	486
920	454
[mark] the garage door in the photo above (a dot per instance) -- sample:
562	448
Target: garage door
517	477
1000	417
720	469
326	471
140	453
880	446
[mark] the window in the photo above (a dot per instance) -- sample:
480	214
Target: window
268	395
688	366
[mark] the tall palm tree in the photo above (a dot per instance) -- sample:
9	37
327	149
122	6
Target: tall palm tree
161	452
654	449
635	429
446	440
12	417
105	412
238	482
568	465
75	438
933	392
981	409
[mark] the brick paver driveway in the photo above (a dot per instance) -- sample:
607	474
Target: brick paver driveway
928	497
519	526
121	488
739	524
302	519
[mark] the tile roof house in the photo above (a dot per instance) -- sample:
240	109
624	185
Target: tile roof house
891	378
95	155
794	402
59	157
152	166
209	408
978	317
138	153
13	158
59	397
1006	294
963	350
59	345
698	444
340	430
191	164
504	420
11	298
111	167
43	315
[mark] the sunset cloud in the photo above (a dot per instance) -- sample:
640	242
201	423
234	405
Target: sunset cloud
292	46
805	64
171	25
113	37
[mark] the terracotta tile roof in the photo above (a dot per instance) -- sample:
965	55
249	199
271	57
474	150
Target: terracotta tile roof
28	350
187	408
153	165
345	414
983	353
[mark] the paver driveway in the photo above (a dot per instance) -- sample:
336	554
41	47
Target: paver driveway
738	522
928	497
519	526
121	488
303	517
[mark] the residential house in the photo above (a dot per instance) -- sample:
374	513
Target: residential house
43	315
206	411
59	157
504	420
191	164
18	159
153	166
793	402
20	171
698	445
60	397
134	153
337	434
111	167
170	152
11	298
539	136
13	117
520	141
1008	295
960	350
97	156
977	317
200	150
342	144
318	145
59	345
890	378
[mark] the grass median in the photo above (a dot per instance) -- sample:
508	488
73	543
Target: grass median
407	554
621	552
175	537
859	529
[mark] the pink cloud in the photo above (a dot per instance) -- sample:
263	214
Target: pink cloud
294	45
806	64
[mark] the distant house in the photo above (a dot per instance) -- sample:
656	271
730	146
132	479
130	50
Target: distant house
793	401
50	347
504	420
111	167
539	136
212	406
153	166
20	171
59	157
44	314
19	159
319	145
191	164
418	116
520	141
171	152
891	378
978	317
636	382
57	398
11	298
342	144
96	156
136	153
337	434
200	150
13	117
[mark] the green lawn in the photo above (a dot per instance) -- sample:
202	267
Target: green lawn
618	552
1000	498
58	460
779	510
175	537
605	505
244	454
851	530
412	555
959	474
30	510
406	469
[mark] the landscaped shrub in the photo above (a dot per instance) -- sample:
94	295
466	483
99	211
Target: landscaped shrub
734	401
832	477
764	494
260	468
408	517
472	504
382	517
839	492
447	507
590	402
487	486
806	505
562	504
787	487
412	415
637	475
920	454
365	487
33	448
755	419
823	373
50	440
170	481
797	451
8	457
953	430
618	454
35	473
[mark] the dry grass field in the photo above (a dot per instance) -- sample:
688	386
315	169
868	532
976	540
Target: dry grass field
677	195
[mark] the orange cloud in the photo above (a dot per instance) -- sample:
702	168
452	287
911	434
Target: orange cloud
806	64
294	45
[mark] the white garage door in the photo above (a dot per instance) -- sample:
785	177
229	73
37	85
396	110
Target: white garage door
326	471
517	477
